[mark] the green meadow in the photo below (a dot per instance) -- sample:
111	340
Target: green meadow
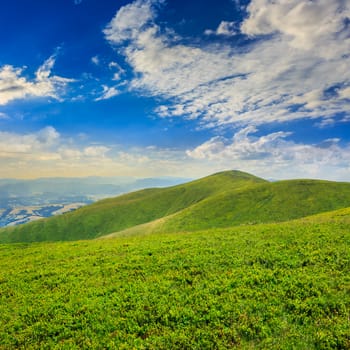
272	280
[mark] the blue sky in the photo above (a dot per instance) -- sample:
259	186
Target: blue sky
183	88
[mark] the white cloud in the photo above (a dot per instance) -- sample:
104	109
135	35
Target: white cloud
96	151
82	153
129	21
72	154
345	93
119	71
297	67
305	52
95	60
47	153
48	136
305	24
225	28
108	92
274	156
28	145
46	144
13	85
241	147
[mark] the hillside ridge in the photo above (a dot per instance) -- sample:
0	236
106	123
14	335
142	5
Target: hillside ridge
222	199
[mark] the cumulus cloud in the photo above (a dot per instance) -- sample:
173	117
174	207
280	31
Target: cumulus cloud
14	85
38	144
305	24
275	154
242	146
47	153
300	52
46	143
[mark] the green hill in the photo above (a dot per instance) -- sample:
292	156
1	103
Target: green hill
271	202
128	210
266	286
220	200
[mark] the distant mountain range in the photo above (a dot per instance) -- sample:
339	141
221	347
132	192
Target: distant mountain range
22	201
224	199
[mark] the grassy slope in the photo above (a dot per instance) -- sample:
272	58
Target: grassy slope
221	200
271	202
267	286
263	203
125	211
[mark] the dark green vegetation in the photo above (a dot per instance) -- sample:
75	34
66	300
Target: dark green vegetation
267	286
221	200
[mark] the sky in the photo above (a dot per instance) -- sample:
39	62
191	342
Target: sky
175	88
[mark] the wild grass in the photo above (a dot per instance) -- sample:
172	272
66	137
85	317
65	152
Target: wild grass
267	286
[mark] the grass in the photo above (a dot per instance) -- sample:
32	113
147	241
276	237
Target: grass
263	203
266	286
126	211
221	200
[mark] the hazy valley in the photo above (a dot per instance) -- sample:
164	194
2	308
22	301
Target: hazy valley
23	201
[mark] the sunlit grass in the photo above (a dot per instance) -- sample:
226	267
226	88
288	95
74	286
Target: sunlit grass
272	286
